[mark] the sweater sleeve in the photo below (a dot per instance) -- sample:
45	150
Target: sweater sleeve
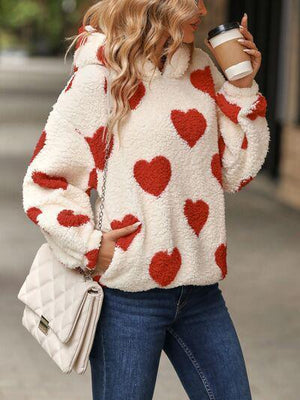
243	131
64	167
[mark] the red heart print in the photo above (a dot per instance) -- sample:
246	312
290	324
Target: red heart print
125	241
202	79
221	146
100	55
97	145
92	257
68	218
216	168
196	214
105	85
137	96
93	179
259	108
38	147
229	109
70	83
189	125
164	267
221	258
49	181
33	213
153	176
245	143
244	183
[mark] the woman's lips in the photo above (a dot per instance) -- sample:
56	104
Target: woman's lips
195	25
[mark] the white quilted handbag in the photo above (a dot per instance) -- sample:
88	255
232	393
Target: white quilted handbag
62	305
62	308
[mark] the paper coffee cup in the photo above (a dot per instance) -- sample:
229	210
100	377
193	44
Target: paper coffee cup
229	53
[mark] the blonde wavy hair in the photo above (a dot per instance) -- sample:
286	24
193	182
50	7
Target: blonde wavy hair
132	29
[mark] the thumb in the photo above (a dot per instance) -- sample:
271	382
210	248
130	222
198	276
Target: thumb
209	46
207	43
117	233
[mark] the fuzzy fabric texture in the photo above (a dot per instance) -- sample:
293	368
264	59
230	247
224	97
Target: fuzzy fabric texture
190	136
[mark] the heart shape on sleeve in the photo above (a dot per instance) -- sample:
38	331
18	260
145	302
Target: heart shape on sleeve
216	168
68	218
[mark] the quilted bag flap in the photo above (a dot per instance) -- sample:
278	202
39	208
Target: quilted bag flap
55	292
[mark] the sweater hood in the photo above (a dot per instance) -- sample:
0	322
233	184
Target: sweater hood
91	52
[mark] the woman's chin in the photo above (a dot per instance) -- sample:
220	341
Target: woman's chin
189	38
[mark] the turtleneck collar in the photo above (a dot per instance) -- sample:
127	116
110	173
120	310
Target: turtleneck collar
90	53
174	68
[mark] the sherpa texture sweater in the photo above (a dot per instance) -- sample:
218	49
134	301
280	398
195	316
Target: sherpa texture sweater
191	136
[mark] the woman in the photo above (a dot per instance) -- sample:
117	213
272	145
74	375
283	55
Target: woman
178	136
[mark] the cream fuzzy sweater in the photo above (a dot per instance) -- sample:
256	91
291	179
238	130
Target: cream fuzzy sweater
190	136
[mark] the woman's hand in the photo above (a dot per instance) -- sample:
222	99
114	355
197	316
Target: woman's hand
108	242
252	50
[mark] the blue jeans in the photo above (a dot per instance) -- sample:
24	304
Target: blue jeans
191	324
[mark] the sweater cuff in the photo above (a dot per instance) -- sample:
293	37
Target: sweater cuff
236	92
90	258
